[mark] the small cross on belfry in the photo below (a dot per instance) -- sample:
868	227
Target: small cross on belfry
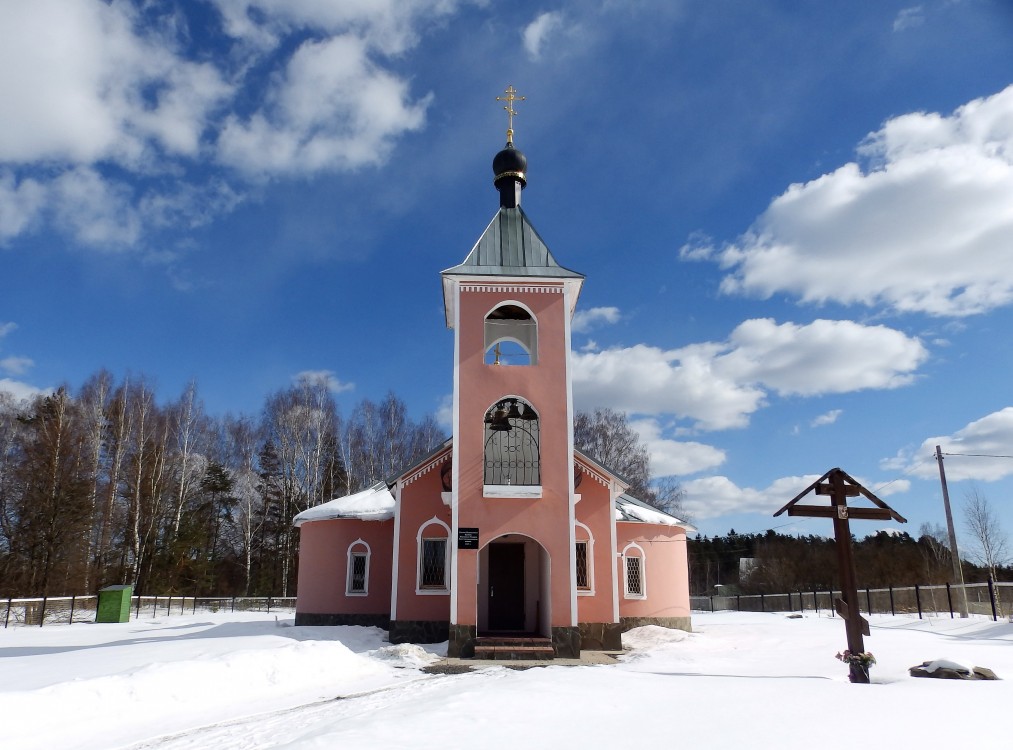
510	98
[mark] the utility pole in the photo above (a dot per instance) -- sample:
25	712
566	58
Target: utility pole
958	571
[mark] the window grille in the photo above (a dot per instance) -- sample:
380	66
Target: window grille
511	445
433	571
357	573
634	576
583	579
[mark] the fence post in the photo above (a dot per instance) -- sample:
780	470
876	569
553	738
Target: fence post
762	608
195	603
42	615
789	603
991	598
8	615
918	601
833	609
868	600
154	609
182	604
73	598
738	602
816	602
233	604
269	604
710	597
949	599
893	611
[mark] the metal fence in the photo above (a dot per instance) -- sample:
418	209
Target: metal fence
65	610
990	599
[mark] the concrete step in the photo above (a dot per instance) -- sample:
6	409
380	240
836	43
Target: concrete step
514	652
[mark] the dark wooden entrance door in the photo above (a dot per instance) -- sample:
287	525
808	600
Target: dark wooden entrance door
506	587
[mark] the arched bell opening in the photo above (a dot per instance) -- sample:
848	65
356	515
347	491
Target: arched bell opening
514	593
512	437
511	335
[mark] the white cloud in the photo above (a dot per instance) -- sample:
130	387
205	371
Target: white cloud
21	391
90	88
828	418
925	227
6	328
324	377
537	33
909	18
718	385
64	62
20	204
675	457
389	26
585	320
825	356
992	435
98	212
16	365
643	379
445	412
711	497
332	109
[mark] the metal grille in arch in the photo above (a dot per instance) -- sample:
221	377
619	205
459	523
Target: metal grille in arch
511	444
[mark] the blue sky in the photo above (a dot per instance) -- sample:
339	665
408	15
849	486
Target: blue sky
794	218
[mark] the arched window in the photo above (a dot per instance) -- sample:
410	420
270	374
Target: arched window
635	571
511	336
585	559
511	444
357	577
433	558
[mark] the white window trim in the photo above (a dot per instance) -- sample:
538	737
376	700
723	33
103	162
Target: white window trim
589	591
512	490
643	572
418	561
348	567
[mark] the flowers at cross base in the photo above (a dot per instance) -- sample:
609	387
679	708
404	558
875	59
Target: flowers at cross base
864	659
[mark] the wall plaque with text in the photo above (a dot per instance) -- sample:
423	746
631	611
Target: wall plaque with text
467	538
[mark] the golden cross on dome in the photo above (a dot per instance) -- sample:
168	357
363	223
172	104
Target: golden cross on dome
510	98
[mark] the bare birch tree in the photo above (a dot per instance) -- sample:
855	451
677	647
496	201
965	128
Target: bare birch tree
983	526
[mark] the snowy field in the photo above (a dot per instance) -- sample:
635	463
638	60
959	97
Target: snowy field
741	680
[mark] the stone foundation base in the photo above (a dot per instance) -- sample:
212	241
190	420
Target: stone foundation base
313	618
566	641
418	631
462	641
675	623
601	636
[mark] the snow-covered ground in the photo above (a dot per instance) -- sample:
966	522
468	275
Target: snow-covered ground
741	680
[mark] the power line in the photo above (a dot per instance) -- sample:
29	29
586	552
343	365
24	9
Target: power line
977	455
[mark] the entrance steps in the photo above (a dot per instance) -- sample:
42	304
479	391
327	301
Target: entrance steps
512	648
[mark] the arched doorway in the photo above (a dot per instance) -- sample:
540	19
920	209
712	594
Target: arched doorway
513	587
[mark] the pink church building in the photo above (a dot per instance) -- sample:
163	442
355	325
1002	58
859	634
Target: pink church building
506	529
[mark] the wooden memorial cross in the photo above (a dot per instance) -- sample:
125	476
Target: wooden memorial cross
839	486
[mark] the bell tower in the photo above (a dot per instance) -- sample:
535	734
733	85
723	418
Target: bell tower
510	305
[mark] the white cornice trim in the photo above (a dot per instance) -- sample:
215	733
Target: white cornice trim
443	458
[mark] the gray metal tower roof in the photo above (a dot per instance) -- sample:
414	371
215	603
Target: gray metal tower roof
510	246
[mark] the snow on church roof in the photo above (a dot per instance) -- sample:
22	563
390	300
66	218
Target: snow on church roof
628	508
372	504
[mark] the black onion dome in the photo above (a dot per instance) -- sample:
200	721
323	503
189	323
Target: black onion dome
510	163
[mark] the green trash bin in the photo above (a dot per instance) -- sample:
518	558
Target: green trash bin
114	604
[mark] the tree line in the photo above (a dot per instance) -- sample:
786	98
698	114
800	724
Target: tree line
103	485
773	563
